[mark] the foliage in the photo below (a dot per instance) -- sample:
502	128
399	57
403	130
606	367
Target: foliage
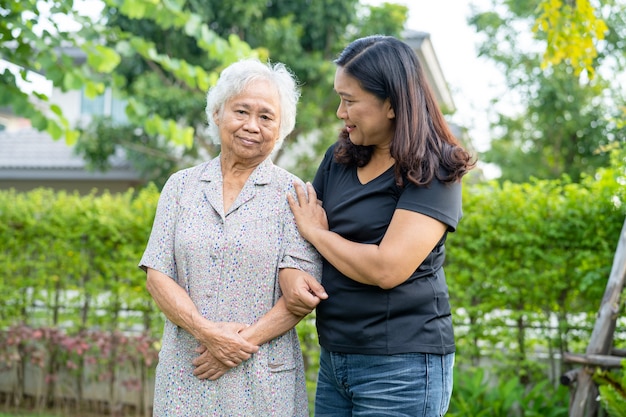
561	122
528	267
477	394
89	277
304	36
612	387
35	37
74	304
570	32
26	414
526	270
161	57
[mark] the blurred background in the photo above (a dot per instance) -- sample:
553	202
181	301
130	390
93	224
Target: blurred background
100	101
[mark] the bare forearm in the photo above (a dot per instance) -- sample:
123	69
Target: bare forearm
358	261
274	323
176	304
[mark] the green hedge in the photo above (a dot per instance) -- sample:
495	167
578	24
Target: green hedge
526	270
71	260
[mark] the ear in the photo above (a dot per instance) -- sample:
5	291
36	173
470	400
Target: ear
216	117
391	114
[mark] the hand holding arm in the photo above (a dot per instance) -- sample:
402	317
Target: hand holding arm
410	237
280	318
274	323
223	340
301	291
308	212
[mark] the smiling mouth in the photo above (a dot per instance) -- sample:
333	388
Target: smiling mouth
247	141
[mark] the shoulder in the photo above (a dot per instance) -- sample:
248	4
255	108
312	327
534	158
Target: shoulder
440	200
328	161
178	180
283	181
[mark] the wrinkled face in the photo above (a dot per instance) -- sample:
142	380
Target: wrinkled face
249	123
368	119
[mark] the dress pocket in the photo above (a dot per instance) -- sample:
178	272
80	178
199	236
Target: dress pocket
281	352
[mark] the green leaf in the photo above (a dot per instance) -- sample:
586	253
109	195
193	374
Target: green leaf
71	136
72	81
55	130
94	89
102	58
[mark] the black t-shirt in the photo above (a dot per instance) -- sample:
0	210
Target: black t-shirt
413	317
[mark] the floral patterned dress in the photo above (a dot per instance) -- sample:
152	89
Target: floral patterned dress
228	263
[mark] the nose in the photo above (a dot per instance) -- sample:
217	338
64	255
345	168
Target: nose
341	111
251	125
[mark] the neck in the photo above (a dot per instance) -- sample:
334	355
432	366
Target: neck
381	156
237	170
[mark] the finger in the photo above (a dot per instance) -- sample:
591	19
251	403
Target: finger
301	194
317	289
217	374
248	349
211	374
309	300
200	369
311	193
234	362
301	310
242	356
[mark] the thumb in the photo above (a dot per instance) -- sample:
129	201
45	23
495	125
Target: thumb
317	289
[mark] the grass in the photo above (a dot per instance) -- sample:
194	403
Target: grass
25	414
11	412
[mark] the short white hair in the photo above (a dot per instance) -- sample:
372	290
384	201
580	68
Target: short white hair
237	76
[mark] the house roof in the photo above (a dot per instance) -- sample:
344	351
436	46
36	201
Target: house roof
420	42
29	154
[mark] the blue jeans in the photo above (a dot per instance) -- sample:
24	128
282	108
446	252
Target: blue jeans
404	385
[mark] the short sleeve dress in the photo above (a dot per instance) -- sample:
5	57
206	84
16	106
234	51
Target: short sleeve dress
228	263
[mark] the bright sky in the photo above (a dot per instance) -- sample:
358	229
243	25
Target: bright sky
473	81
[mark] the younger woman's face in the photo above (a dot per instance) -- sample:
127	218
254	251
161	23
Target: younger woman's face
368	119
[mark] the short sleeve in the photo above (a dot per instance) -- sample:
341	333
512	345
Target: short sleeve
299	253
437	200
159	253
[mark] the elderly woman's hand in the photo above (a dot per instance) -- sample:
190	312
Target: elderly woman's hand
308	212
207	366
225	344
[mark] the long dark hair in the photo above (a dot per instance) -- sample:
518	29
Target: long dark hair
423	146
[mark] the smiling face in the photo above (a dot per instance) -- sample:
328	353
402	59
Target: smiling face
249	124
368	119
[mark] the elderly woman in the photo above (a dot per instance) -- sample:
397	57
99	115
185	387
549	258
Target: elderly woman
222	235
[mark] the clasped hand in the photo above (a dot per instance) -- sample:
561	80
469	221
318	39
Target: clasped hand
224	349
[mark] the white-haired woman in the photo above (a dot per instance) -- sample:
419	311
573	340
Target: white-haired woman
222	234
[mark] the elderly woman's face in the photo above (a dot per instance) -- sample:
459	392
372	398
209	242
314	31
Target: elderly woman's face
249	123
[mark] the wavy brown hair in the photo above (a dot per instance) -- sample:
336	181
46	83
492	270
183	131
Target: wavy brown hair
423	146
